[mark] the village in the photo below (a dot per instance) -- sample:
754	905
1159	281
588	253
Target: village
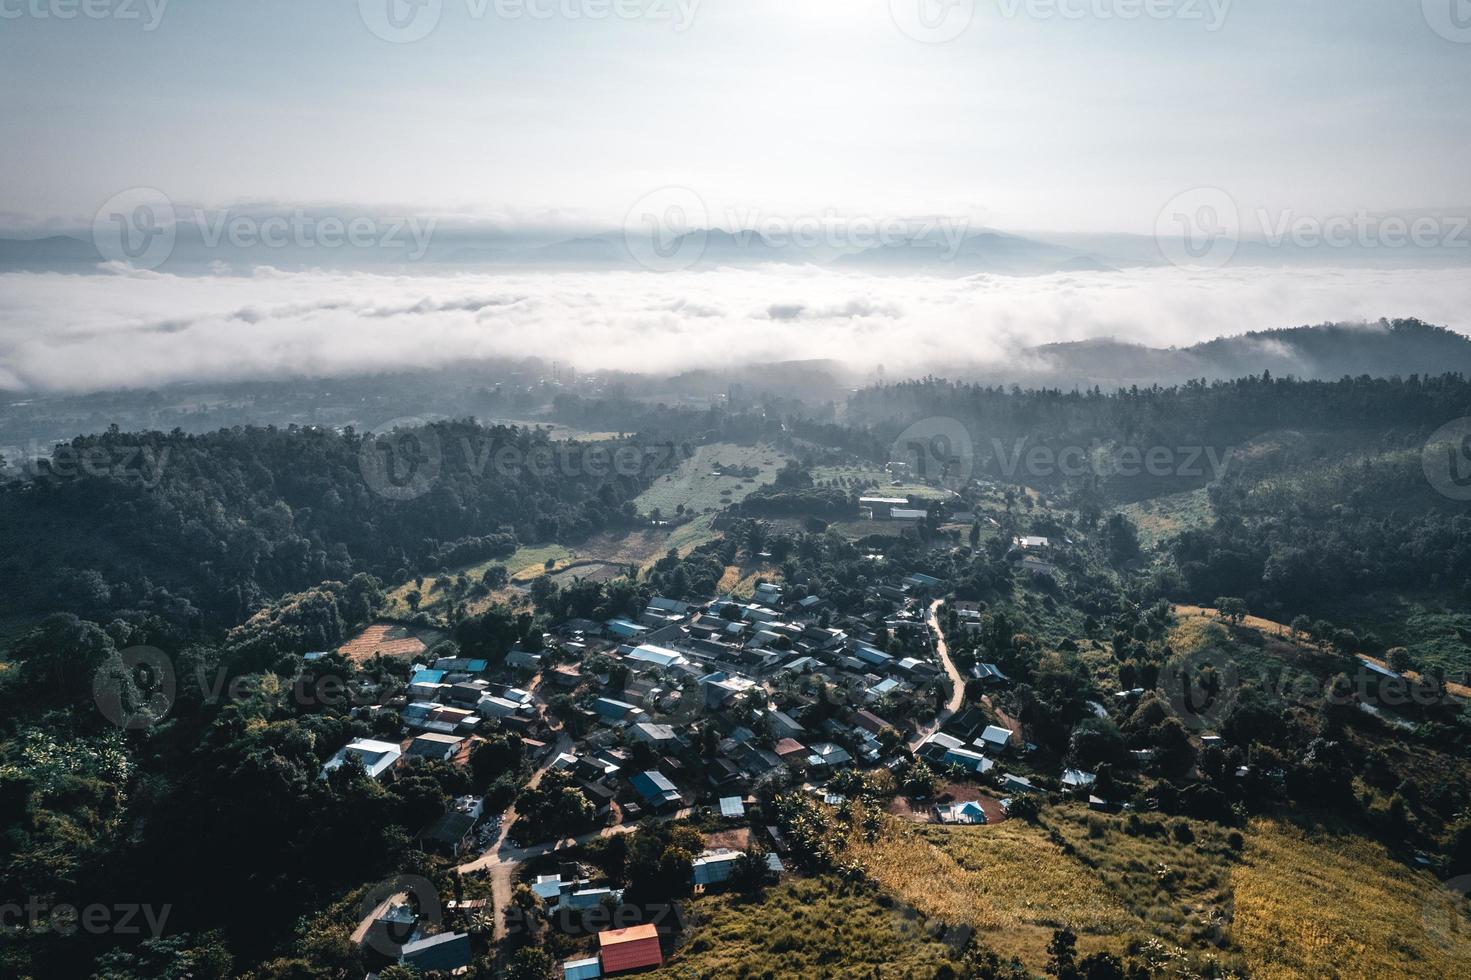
691	713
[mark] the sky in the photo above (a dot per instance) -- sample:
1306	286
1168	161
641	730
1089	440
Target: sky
563	117
1085	115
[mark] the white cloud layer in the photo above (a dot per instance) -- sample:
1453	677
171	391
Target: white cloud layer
82	333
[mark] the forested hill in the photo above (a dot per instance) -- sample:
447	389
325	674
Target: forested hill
1325	352
1216	412
206	528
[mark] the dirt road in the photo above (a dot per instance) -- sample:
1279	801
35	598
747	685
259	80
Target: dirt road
957	683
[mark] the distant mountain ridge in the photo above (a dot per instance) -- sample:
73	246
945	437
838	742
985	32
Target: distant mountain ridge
944	249
1324	352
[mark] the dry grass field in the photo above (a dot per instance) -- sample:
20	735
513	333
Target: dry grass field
390	640
1312	904
1290	904
809	928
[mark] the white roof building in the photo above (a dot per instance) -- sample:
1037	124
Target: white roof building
377	757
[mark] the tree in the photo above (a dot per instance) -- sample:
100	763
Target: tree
749	873
1231	609
1399	660
1062	952
531	963
921	781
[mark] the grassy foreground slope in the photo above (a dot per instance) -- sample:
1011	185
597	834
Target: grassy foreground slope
1289	903
802	928
1317	904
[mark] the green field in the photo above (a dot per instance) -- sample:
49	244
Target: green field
1427	625
867	472
637	548
698	486
1164	517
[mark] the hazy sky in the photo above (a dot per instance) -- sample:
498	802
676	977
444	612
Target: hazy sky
1057	118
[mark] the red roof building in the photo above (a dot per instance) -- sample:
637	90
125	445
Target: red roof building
789	747
630	949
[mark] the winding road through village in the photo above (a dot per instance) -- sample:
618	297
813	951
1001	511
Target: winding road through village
957	683
502	859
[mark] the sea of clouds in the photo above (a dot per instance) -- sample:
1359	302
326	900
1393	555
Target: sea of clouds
122	329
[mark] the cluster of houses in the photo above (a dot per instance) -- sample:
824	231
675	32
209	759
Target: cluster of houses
644	687
691	704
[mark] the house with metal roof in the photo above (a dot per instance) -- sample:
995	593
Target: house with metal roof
447	951
433	745
624	629
732	807
377	758
615	711
588	969
656	789
636	948
996	737
967	759
715	867
961	813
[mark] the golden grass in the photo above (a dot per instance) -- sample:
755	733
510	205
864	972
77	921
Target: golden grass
1320	905
808	928
1008	881
1293	905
